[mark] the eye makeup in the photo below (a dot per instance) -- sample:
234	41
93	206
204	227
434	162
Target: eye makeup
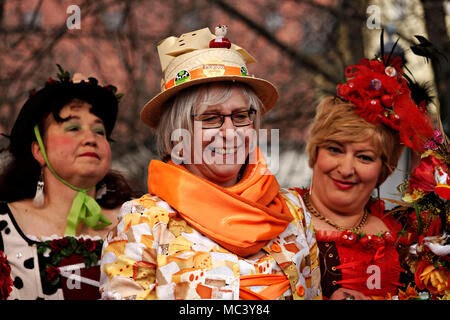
72	126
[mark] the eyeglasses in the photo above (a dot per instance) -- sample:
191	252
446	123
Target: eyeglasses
214	120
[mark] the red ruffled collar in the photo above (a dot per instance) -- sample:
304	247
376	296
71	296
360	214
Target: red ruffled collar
376	208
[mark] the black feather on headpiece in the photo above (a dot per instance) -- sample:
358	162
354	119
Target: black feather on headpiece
420	92
426	49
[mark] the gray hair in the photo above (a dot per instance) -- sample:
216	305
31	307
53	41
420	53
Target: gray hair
179	109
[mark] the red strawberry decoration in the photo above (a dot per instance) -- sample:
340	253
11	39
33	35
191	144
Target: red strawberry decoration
387	100
375	103
378	242
348	238
389	237
365	241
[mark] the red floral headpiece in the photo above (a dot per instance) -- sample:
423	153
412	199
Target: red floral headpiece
380	93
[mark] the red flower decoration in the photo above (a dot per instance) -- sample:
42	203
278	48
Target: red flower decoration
52	274
423	176
89	245
437	136
6	282
51	81
32	92
64	76
59	244
381	95
93	81
409	238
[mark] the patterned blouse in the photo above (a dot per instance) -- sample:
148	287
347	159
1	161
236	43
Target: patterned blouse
154	254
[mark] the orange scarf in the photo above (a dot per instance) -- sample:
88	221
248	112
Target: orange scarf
241	218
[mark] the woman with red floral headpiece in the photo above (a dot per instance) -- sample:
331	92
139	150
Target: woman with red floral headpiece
356	141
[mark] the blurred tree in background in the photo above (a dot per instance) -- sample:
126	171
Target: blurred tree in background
301	45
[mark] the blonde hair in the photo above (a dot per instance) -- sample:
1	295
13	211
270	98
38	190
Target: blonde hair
179	109
337	121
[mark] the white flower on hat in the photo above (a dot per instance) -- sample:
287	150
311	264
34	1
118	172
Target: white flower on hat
78	77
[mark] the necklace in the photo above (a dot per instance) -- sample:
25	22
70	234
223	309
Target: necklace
316	213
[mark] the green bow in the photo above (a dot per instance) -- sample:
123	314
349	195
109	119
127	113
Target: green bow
84	208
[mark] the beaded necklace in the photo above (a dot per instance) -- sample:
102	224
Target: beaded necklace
317	214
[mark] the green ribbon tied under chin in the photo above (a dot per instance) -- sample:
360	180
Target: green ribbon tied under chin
84	208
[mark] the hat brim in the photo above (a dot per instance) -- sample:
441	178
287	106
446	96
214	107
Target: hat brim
266	91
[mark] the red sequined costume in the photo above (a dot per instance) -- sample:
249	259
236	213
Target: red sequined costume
369	264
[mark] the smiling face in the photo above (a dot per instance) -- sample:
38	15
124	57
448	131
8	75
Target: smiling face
77	147
219	153
345	174
371	153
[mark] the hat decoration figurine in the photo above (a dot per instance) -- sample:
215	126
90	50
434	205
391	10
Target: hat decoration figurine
220	41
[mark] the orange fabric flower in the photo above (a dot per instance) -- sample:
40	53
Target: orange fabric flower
434	280
409	294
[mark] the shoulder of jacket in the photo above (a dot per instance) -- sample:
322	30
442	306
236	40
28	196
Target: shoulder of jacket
292	196
143	204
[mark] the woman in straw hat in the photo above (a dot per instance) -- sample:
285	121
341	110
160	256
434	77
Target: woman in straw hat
215	224
59	167
355	143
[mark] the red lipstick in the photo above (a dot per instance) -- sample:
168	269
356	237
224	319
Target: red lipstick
90	154
343	185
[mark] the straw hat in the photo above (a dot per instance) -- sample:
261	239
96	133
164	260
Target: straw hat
199	57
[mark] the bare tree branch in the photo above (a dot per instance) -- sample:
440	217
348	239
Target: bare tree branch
435	22
309	63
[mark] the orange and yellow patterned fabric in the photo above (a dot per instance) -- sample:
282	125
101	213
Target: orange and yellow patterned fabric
153	253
